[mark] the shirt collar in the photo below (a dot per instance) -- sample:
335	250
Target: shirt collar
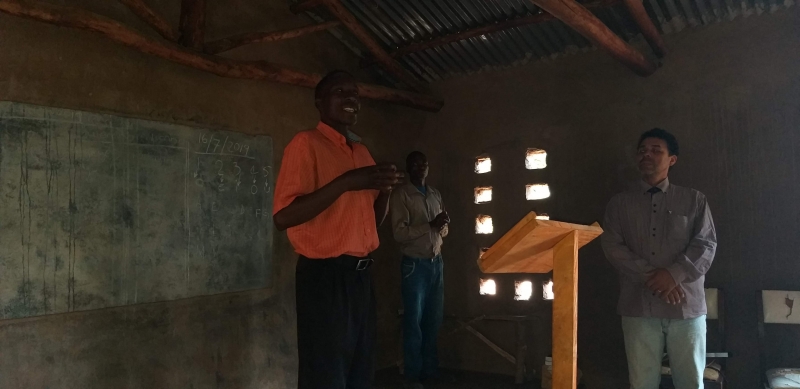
410	188
663	185
332	134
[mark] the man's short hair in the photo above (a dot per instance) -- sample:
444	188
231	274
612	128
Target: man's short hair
329	79
412	155
659	133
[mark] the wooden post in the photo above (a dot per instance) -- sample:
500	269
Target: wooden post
381	56
140	9
193	23
253	70
588	25
235	41
646	26
565	312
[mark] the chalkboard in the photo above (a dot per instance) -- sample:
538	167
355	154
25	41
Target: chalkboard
101	211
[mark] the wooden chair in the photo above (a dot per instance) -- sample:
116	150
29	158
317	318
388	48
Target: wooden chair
713	377
779	350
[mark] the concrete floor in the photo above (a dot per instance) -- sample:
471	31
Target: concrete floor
451	379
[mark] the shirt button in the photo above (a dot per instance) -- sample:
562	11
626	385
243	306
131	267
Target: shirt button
654	234
654	253
654	211
654	229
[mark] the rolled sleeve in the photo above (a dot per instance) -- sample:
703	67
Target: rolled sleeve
695	261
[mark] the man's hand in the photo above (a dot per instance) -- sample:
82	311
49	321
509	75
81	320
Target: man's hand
663	285
383	177
675	297
440	221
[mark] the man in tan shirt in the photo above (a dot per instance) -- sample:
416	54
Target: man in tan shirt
419	222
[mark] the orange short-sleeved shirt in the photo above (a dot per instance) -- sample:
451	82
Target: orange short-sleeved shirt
311	160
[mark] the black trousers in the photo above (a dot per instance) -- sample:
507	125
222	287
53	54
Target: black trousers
336	324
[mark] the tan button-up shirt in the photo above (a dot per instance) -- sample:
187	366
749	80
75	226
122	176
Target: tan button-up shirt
412	213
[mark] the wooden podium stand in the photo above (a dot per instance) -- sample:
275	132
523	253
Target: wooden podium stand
538	246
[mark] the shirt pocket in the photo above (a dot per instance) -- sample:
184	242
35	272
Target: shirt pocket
678	228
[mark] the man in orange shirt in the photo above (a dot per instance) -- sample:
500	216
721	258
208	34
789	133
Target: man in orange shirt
331	196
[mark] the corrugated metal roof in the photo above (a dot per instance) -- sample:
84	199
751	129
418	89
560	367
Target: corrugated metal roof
398	23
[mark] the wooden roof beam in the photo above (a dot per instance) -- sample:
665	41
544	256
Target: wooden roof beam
235	41
193	23
304	5
381	56
488	29
646	26
254	70
144	12
588	25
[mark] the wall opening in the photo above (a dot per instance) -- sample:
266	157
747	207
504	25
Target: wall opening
523	290
483	224
535	159
547	290
537	191
483	165
483	194
488	287
542	216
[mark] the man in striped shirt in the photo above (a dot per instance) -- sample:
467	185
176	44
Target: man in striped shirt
661	239
331	196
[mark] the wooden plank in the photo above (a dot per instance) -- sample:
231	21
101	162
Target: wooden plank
381	56
565	312
646	26
488	262
488	29
193	23
235	41
253	70
527	247
144	12
593	29
503	353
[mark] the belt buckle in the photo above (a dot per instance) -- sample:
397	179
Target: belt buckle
363	264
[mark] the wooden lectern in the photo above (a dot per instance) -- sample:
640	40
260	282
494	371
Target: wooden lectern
538	246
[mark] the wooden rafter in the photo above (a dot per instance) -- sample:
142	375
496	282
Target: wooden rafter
193	23
646	26
235	41
303	6
381	56
255	70
588	25
488	29
144	12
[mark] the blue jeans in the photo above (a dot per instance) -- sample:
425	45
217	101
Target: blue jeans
686	347
423	303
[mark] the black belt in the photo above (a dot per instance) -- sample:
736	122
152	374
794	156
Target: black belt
348	262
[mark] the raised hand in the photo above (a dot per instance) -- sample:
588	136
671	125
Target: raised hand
383	177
